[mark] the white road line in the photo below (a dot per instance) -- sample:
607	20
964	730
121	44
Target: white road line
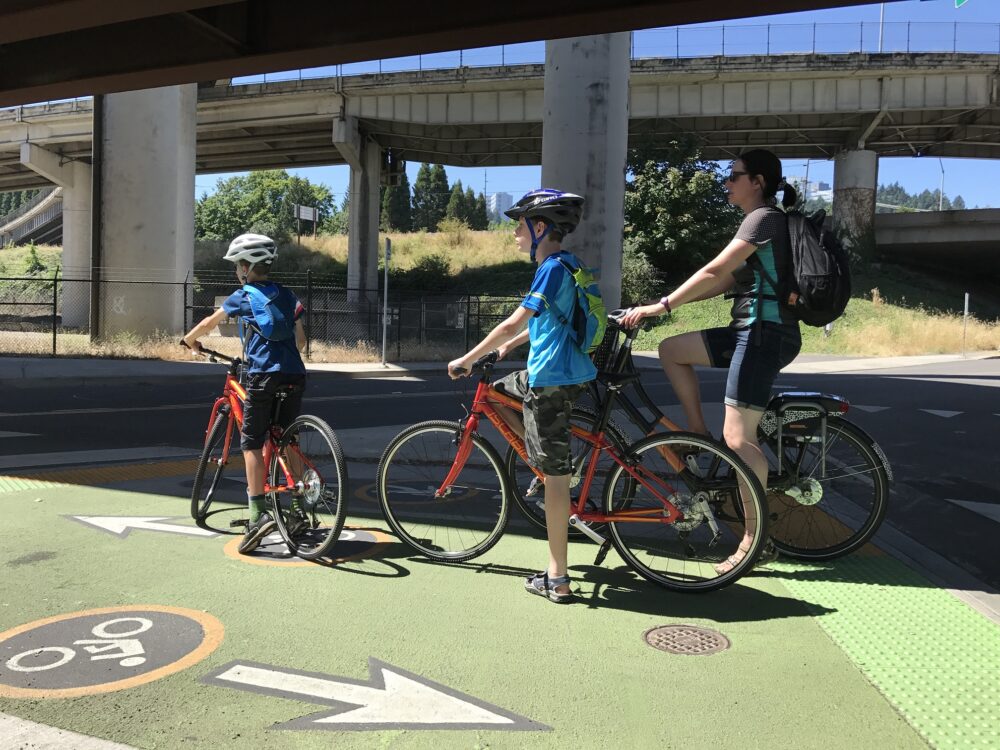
6	434
986	510
869	409
942	412
21	733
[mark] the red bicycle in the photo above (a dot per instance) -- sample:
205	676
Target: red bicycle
676	505
306	474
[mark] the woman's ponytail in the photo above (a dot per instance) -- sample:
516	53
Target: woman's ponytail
789	196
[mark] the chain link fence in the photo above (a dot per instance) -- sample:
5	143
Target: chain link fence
50	315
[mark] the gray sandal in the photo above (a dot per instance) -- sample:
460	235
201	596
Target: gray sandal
541	584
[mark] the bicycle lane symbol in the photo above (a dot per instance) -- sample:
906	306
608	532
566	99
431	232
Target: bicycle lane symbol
101	650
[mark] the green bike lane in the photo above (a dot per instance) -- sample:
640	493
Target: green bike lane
385	648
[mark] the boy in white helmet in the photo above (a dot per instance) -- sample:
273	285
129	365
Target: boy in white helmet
273	362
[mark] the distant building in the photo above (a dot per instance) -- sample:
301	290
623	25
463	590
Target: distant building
497	203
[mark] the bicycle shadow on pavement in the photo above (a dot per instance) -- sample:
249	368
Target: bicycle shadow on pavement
619	588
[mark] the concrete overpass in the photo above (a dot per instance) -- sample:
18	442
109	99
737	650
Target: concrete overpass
801	106
102	46
958	242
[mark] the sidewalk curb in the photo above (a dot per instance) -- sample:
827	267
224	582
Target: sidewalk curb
20	373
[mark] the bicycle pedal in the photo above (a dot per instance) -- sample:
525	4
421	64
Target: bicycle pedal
244	522
602	552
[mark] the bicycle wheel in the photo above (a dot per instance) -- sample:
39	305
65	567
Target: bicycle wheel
528	490
212	463
311	518
816	515
715	491
471	515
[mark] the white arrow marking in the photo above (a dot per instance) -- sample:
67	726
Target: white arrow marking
120	526
941	412
987	510
869	409
391	699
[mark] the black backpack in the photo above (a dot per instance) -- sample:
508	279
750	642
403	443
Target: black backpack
817	283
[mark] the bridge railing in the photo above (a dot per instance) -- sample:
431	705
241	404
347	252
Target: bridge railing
46	207
726	40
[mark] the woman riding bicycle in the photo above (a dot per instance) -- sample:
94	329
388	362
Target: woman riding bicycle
762	338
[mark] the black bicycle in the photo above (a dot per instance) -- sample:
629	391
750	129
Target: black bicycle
828	480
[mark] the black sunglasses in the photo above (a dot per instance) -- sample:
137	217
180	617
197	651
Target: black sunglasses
735	175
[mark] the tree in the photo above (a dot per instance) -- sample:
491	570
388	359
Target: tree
258	202
676	210
480	220
457	207
396	215
958	204
430	197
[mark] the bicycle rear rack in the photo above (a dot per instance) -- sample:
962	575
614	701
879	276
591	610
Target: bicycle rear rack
811	406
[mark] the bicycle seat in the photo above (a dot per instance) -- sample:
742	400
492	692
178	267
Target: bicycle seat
617	379
828	401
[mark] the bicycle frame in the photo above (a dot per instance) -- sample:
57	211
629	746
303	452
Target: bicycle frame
234	394
483	405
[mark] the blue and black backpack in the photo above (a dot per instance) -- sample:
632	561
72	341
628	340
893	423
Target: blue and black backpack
270	319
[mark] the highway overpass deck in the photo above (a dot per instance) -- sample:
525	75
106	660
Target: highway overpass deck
802	106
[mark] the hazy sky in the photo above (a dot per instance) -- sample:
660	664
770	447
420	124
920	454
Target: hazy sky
930	23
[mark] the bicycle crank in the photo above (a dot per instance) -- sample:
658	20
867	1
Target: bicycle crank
584	527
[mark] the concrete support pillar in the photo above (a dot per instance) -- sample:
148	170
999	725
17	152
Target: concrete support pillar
147	208
362	231
584	138
855	180
75	179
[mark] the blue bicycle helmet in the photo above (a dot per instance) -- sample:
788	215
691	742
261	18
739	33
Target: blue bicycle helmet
560	211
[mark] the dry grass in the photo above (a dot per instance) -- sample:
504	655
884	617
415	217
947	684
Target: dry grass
916	332
460	246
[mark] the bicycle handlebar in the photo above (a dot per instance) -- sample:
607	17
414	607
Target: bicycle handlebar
484	363
210	355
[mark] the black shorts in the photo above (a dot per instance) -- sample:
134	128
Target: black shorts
258	409
753	362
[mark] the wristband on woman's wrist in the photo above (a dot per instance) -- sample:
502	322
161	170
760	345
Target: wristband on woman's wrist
666	305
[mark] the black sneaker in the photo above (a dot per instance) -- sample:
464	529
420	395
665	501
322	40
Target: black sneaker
257	531
297	524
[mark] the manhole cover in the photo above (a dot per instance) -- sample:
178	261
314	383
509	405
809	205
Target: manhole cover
686	639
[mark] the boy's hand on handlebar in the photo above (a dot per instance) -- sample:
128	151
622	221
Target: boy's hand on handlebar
194	345
458	368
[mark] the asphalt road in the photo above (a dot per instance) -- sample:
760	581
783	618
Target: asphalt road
938	425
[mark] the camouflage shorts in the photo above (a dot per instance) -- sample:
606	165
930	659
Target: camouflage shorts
547	412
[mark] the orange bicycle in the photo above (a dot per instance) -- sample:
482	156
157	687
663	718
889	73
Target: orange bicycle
675	505
306	474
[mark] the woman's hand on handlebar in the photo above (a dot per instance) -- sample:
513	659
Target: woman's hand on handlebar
634	315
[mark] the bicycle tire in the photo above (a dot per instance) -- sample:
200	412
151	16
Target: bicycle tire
532	507
850	504
688	550
211	453
413	466
324	479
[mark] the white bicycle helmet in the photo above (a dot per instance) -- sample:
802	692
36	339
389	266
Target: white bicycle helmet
253	248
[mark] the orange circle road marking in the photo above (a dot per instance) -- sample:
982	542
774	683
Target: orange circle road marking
213	629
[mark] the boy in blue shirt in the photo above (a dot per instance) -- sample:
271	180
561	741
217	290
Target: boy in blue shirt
557	368
273	364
